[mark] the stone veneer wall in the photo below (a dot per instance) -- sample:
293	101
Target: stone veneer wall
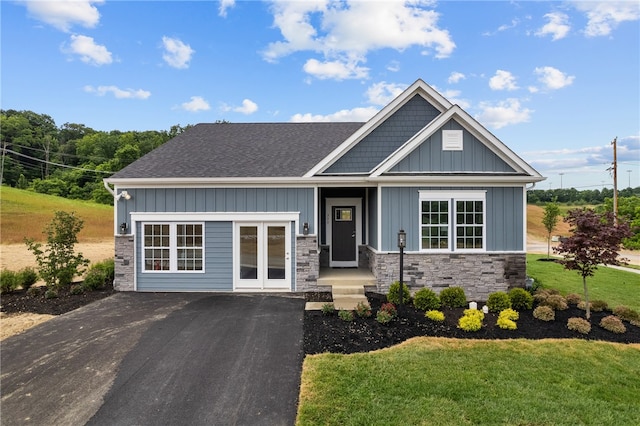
307	263
124	263
479	274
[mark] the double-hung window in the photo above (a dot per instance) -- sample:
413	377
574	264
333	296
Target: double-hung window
173	247
452	220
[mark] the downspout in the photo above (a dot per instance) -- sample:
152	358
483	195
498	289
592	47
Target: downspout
106	185
533	185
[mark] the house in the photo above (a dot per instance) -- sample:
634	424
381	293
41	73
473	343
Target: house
273	206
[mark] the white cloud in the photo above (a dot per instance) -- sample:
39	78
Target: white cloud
514	23
196	104
176	53
117	92
248	107
557	26
455	77
356	114
393	66
605	16
336	70
88	50
346	31
503	113
553	78
382	93
454	97
63	14
503	80
224	5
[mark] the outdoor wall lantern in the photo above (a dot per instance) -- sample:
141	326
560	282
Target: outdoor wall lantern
123	194
123	228
305	228
402	243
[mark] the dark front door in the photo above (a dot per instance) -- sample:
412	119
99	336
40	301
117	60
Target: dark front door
343	236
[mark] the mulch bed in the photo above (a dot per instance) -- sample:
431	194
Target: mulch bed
19	301
328	333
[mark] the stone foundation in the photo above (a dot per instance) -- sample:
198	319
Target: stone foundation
479	274
124	263
307	263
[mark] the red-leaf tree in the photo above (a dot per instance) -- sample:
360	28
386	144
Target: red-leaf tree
595	240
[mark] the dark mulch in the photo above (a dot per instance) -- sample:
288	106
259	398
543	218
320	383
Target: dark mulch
19	301
328	333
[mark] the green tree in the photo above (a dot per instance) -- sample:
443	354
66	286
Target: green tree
550	220
57	261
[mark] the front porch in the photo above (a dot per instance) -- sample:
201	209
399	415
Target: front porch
348	286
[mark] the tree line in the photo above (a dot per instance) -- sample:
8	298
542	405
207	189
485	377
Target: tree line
572	196
68	160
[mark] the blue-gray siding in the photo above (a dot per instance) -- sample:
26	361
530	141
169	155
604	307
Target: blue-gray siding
200	200
475	156
218	273
386	138
504	217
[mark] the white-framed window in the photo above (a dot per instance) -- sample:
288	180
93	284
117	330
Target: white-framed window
452	220
173	247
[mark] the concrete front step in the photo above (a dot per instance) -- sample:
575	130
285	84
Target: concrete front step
348	302
347	289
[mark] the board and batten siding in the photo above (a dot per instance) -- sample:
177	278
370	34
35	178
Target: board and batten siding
386	138
474	157
218	269
504	216
226	200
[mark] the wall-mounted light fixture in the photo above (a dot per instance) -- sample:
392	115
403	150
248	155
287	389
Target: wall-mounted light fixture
123	194
305	228
123	228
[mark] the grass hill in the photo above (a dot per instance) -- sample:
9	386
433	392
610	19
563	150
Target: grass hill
535	228
25	214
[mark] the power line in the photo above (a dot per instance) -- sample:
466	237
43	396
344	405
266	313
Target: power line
56	164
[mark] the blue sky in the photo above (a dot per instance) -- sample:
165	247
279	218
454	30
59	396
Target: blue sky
555	81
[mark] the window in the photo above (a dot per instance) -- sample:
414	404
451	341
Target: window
173	247
452	221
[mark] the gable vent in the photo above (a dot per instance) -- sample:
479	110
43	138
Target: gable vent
452	140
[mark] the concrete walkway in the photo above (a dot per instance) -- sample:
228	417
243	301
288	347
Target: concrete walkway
347	287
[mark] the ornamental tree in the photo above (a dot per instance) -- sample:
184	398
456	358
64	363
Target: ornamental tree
595	240
549	220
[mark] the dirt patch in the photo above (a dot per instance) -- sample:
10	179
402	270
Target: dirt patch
11	324
16	256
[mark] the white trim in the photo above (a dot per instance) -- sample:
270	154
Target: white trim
330	203
379	209
524	218
316	212
216	216
447	195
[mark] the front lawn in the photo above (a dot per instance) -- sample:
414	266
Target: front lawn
440	381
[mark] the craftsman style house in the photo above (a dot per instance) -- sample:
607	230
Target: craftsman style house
270	206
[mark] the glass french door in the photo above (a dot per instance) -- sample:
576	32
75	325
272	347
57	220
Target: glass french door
263	256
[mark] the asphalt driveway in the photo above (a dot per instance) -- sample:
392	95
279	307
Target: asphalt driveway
158	359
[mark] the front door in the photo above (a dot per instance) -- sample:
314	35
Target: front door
262	256
343	236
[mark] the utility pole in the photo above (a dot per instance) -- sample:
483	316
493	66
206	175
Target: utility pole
615	182
629	172
561	174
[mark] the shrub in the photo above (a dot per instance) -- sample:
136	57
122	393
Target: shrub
384	317
108	267
509	314
33	292
389	308
626	313
51	293
434	315
426	299
507	319
345	315
394	288
580	325
599	305
544	313
471	320
8	281
542	294
328	309
453	297
363	310
498	301
76	289
573	298
27	277
583	305
556	302
613	324
521	299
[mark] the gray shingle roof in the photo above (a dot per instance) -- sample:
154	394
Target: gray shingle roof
241	150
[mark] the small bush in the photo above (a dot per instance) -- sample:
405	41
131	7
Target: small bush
599	305
27	277
434	315
471	320
8	281
498	301
33	291
544	313
389	308
51	293
556	302
453	297
384	317
626	313
426	299
394	289
613	324
328	309
507	319
580	325
108	267
76	289
345	315
542	294
583	305
521	299
363	310
94	280
573	298
510	314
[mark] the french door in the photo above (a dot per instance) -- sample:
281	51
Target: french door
262	258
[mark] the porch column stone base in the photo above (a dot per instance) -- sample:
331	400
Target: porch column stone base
124	263
307	263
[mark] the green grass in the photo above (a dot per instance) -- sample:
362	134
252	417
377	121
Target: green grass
436	381
612	285
25	214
